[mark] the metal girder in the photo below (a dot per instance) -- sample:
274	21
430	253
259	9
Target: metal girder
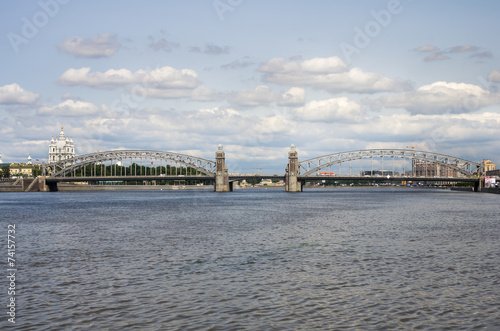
62	167
464	167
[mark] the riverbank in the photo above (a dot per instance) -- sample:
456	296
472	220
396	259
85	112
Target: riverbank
65	187
494	190
70	187
78	187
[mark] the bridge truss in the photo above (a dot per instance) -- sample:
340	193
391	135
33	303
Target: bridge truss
132	163
463	167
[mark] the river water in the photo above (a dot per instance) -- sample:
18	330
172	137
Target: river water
255	259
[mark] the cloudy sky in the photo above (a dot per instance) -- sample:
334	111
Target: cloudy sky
252	75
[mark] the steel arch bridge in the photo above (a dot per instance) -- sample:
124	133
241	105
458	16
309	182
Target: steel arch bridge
462	166
137	157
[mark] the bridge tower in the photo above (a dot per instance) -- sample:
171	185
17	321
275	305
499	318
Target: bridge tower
292	184
221	174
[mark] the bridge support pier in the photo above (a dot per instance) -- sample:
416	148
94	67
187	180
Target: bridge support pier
52	186
479	185
221	174
292	183
42	184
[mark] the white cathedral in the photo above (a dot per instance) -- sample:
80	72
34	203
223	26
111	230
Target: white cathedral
62	148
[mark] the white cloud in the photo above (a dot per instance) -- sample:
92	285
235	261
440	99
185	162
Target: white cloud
100	46
200	93
330	74
71	108
437	131
263	95
164	77
295	96
69	96
314	65
440	97
494	76
15	94
329	110
260	96
109	79
324	65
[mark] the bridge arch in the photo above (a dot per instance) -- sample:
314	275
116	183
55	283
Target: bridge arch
68	166
462	166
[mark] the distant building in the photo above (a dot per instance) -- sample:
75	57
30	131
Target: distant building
488	165
425	169
24	169
495	173
62	148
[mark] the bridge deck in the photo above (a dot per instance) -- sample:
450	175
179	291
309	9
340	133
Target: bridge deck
278	177
125	178
391	178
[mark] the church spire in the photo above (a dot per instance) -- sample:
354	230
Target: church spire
61	134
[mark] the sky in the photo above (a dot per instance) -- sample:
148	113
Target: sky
255	76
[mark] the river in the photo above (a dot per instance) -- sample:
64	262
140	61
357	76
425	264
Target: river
254	259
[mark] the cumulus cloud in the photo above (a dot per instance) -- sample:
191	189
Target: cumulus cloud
316	65
71	108
294	97
436	131
263	95
260	96
440	97
103	45
211	121
494	76
426	48
69	96
329	110
14	94
200	93
164	77
330	74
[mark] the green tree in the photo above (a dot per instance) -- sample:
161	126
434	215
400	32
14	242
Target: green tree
5	172
37	171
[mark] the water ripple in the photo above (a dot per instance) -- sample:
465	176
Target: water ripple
257	260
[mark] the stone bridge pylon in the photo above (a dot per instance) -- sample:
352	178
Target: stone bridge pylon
292	183
221	173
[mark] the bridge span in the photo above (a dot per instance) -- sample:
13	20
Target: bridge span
143	165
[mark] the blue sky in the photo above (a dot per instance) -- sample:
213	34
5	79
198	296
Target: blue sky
255	76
